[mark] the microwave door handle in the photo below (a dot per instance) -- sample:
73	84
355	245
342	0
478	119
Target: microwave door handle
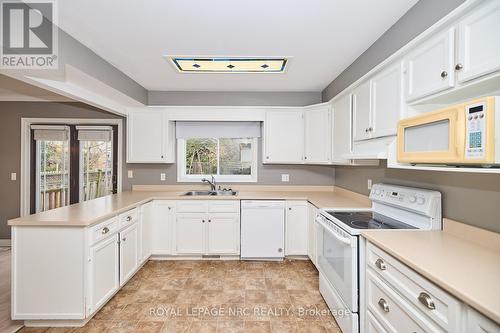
344	240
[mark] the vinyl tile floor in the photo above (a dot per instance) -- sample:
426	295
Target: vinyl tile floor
215	296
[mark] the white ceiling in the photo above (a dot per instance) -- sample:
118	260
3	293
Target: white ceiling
322	37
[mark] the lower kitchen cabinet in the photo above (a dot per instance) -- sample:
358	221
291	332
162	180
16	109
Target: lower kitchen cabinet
162	221
189	233
296	228
104	272
129	251
145	231
223	234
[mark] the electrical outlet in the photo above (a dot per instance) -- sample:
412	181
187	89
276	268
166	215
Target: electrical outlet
369	184
13	176
130	173
163	176
285	177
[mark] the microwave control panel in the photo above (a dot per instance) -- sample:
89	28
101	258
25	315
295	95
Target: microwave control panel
475	131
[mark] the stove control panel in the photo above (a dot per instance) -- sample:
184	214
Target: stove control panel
419	200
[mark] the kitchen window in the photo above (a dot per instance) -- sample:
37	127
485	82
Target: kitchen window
227	150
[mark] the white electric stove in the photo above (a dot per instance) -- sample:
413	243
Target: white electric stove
393	208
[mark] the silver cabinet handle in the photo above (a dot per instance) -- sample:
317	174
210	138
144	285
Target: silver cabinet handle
370	129
128	218
202	221
383	305
267	157
458	67
427	301
280	250
209	221
366	130
124	239
444	74
169	208
380	264
105	230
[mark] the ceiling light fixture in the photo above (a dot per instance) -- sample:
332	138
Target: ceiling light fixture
229	65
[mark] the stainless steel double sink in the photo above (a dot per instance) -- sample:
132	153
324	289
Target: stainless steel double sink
210	193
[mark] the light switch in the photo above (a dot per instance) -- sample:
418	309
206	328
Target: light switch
163	177
369	184
130	174
285	177
13	176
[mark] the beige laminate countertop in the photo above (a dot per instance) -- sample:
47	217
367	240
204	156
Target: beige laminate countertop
97	210
467	268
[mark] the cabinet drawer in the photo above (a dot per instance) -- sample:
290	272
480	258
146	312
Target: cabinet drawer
223	206
103	230
425	296
372	324
191	206
128	218
393	311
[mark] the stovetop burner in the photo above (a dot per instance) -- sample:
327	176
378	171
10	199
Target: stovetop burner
368	220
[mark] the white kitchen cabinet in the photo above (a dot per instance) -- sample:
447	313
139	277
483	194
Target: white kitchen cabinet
145	234
104	272
318	134
431	66
477	323
129	253
296	228
342	134
162	226
284	136
150	137
311	233
479	42
223	234
387	101
361	111
190	233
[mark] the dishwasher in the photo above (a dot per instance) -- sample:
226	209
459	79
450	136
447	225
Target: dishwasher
262	230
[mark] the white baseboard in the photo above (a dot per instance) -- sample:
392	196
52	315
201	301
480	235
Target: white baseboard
5	242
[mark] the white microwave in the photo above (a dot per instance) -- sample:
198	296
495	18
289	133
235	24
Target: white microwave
463	134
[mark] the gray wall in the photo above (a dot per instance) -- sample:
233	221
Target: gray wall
420	17
205	98
470	198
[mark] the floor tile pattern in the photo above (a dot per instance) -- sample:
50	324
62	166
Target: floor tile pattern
213	297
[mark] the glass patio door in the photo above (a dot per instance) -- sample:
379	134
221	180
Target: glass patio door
52	167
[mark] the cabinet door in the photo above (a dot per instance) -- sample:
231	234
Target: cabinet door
284	137
342	139
296	228
317	134
145	137
477	323
223	234
430	67
479	42
361	97
311	233
162	227
128	253
104	272
145	223
387	101
190	233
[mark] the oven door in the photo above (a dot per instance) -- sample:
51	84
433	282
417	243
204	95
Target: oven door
338	261
434	137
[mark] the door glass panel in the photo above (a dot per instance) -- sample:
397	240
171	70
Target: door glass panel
52	176
96	169
428	137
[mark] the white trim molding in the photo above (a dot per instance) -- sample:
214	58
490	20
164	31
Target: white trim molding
26	151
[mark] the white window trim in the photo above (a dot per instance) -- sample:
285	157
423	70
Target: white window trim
183	177
26	151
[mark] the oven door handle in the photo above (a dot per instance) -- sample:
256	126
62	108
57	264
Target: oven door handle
344	240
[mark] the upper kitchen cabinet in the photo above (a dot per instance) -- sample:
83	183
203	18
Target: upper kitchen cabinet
479	42
341	141
284	136
387	101
361	106
430	66
150	137
318	133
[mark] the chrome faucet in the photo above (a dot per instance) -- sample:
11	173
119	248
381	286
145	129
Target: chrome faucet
212	183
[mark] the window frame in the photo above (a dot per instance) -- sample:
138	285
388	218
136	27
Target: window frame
185	178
